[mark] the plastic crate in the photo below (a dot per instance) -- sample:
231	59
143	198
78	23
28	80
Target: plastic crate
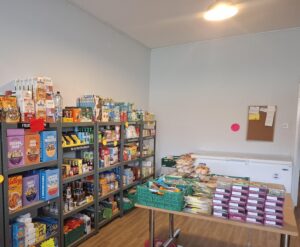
169	162
128	205
166	200
73	235
107	213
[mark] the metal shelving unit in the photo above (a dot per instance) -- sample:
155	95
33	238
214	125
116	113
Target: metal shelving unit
60	127
2	232
77	150
33	208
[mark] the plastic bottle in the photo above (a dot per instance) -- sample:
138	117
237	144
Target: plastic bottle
58	102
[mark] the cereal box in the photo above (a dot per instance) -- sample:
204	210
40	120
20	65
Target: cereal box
18	235
32	148
14	193
49	184
15	148
48	146
30	189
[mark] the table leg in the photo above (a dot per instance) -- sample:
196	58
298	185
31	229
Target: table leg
284	240
172	234
151	227
171	225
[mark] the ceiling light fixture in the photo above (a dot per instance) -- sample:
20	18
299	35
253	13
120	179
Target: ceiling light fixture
221	10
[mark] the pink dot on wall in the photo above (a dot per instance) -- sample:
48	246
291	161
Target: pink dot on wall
235	127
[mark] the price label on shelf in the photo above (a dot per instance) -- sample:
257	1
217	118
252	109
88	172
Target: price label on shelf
115	143
126	124
104	142
1	179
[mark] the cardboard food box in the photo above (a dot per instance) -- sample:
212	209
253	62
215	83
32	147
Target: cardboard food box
48	146
15	148
49	184
14	193
32	148
30	189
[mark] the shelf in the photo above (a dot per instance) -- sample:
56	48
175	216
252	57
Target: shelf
130	161
104	222
78	148
54	235
77	177
130	140
82	239
128	186
27	125
111	143
148	137
109	123
147	156
104	169
134	122
102	198
147	177
78	209
31	208
32	167
84	124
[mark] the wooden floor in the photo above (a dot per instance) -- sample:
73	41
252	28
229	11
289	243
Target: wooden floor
132	231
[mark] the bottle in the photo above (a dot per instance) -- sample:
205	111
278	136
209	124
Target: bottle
58	102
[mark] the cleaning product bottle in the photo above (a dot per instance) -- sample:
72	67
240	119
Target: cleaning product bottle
58	102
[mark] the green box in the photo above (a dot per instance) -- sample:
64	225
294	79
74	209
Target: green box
167	162
166	200
73	235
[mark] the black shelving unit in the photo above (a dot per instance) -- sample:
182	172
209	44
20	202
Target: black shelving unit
77	150
94	205
2	232
33	208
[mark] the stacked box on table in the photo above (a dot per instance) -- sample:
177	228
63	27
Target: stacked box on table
221	197
237	203
256	202
274	205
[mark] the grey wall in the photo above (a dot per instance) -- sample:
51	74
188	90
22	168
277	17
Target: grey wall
198	90
82	55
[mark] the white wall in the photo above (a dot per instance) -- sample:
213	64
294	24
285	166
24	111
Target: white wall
82	55
198	90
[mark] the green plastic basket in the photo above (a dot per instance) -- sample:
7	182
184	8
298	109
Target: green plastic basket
166	200
73	235
107	213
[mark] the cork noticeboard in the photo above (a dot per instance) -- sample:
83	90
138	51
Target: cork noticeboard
258	130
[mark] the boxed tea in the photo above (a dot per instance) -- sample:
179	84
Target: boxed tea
14	193
49	184
15	148
40	109
30	189
50	111
32	148
27	109
48	146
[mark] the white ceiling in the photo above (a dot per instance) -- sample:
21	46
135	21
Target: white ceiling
157	23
